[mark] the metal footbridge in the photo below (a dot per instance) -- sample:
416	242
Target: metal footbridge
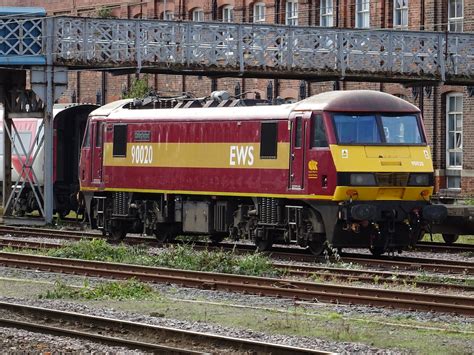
49	46
246	50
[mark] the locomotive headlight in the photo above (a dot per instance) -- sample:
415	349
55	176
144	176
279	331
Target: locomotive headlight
419	179
362	179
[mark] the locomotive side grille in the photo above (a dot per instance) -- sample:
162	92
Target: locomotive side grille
392	179
120	207
270	210
220	217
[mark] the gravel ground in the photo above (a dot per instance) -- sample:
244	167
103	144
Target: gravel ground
408	286
17	341
14	341
185	293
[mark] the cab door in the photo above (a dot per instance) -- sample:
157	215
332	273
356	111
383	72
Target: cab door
97	151
298	122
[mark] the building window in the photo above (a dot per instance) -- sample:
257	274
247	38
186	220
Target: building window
326	13
228	14
198	15
453	182
455	15
269	140
291	15
400	14
168	15
259	12
362	13
454	129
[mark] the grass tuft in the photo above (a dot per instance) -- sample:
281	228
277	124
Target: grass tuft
177	256
116	290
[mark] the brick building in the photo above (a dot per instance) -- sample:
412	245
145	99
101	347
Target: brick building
446	109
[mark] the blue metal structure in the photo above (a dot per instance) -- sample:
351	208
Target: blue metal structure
21	31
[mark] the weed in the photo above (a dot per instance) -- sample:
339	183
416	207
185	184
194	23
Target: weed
121	290
177	256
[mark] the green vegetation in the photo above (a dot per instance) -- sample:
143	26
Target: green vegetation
139	88
463	239
105	12
124	290
177	256
400	332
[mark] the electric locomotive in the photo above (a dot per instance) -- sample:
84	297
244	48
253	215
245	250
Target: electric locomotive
342	168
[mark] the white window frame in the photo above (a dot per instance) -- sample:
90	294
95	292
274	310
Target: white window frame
259	10
168	15
400	14
326	14
228	13
362	14
455	133
455	20
197	15
291	13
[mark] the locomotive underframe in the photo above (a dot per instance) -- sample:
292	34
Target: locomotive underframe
378	225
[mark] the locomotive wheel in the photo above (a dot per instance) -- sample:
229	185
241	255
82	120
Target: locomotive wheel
164	237
377	251
217	238
166	233
450	238
318	244
263	244
117	233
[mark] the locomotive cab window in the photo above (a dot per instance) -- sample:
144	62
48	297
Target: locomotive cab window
87	138
299	132
268	140
120	140
98	134
357	129
318	132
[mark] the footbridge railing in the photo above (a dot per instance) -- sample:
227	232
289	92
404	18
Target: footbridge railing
253	50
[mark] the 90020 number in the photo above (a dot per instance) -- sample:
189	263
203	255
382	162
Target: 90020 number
142	154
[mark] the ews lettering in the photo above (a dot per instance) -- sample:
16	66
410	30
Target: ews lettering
241	155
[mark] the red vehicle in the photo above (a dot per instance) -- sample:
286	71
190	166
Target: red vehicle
27	146
346	168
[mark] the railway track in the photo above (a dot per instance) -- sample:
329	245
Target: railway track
316	272
444	248
295	254
311	291
133	335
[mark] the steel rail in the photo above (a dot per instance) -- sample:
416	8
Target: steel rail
397	262
444	248
61	331
370	276
323	272
149	331
248	284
